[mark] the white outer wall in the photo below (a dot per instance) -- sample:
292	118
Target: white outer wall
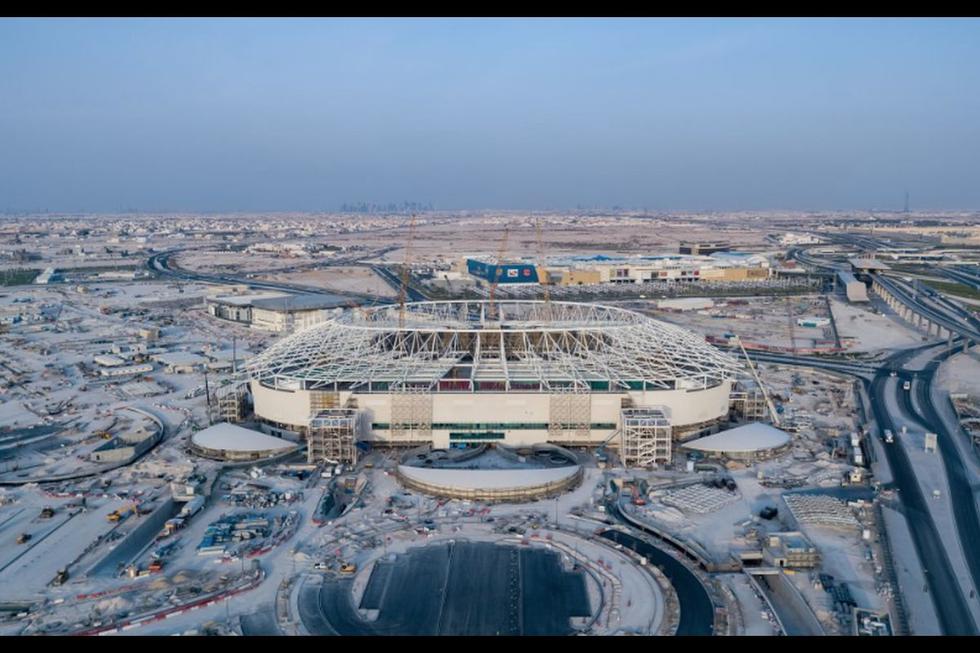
281	405
685	407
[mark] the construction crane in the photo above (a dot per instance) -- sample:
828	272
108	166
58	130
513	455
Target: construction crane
541	271
755	375
497	273
405	276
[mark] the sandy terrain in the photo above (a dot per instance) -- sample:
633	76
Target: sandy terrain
349	279
870	331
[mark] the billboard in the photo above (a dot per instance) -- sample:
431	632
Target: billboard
504	273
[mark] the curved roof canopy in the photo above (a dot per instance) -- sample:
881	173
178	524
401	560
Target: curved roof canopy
500	346
228	437
741	439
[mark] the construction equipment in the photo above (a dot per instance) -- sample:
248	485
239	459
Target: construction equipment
121	513
498	272
61	577
755	375
23	537
406	273
542	274
47	512
348	568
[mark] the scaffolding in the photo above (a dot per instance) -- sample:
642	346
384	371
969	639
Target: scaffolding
748	402
230	403
332	436
569	414
411	414
323	400
646	436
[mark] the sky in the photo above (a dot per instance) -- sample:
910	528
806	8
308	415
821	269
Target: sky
305	115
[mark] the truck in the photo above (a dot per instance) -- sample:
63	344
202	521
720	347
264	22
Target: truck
907	385
192	507
61	577
47	512
23	537
889	436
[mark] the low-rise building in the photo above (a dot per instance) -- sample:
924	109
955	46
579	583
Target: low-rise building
790	550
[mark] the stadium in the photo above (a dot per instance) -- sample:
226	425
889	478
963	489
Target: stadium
519	373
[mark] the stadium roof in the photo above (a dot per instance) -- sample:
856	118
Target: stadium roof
741	439
228	437
526	345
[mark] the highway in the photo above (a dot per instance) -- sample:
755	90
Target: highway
952	611
951	608
962	276
961	492
933	306
161	264
412	294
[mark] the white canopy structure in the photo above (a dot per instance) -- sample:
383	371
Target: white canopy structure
498	346
229	438
750	439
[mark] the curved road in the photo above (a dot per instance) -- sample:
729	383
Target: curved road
954	615
697	610
961	492
160	263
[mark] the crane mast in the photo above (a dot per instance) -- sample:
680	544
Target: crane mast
755	375
492	312
541	272
405	276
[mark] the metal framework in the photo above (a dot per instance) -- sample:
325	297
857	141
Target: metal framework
646	436
518	346
229	403
331	436
570	414
411	414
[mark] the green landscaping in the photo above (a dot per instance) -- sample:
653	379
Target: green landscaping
955	289
17	277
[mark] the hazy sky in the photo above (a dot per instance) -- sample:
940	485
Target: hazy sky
105	115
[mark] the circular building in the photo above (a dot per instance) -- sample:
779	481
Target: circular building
232	443
755	441
512	372
492	473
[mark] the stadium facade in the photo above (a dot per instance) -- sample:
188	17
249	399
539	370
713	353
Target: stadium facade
514	372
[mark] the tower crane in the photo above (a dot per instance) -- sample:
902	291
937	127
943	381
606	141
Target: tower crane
405	276
541	271
492	312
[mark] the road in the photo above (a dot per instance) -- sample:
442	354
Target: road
412	293
954	615
697	610
961	492
951	607
161	264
